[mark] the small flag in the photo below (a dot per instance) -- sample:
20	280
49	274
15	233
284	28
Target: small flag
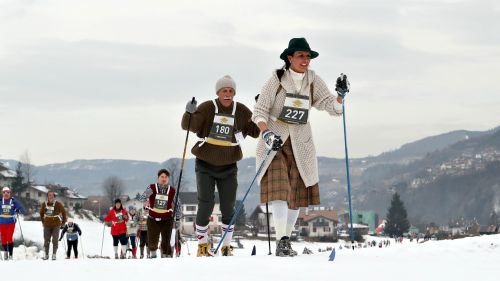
332	255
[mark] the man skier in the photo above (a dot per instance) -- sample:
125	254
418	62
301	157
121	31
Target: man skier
159	199
221	124
53	215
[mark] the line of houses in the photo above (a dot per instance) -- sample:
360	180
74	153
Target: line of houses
323	223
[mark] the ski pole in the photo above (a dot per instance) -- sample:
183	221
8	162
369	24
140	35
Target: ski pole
348	177
102	241
268	228
187	246
342	87
240	206
64	244
81	247
180	174
22	237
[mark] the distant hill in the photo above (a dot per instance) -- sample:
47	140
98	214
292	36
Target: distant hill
461	180
421	171
415	150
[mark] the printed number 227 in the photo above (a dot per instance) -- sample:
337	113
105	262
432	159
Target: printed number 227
294	114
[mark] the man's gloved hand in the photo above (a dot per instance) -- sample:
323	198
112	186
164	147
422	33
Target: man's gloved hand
342	86
177	224
272	141
191	106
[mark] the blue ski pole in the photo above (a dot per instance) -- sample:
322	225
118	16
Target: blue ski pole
347	171
240	206
342	87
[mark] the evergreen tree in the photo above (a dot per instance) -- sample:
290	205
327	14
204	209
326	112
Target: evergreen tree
18	185
397	218
241	219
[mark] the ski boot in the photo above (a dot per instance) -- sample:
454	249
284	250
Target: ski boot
203	250
291	252
153	255
116	256
282	249
226	251
6	256
45	257
54	257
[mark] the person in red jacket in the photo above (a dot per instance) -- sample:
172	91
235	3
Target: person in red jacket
117	218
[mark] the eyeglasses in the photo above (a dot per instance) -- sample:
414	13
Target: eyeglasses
6	192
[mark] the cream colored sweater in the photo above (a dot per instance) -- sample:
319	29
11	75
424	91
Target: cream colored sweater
269	106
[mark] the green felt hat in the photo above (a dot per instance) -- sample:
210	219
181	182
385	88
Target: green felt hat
298	44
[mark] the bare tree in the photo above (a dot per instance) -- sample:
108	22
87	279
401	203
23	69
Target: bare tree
27	167
174	167
113	187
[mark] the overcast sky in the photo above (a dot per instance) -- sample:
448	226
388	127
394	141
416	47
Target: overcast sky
109	79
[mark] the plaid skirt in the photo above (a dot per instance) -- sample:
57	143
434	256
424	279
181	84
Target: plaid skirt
282	181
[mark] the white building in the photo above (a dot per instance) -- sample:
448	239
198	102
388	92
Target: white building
258	219
189	201
6	176
317	223
65	195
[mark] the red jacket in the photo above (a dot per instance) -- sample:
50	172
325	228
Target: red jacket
118	227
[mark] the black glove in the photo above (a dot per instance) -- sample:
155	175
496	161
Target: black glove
272	141
191	106
342	87
60	239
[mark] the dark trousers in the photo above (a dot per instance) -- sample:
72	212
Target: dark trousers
157	228
74	245
51	233
207	177
132	239
122	238
143	236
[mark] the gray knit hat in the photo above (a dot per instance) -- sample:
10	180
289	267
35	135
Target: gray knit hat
225	82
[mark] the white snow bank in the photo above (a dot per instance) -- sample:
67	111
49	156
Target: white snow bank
465	259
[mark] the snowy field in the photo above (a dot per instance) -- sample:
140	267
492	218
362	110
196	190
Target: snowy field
468	259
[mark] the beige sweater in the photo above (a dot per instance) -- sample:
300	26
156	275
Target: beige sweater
270	104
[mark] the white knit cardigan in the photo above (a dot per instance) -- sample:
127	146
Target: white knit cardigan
269	106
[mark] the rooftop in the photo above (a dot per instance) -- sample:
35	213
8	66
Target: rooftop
310	215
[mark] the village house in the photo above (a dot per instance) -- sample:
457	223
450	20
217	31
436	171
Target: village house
6	176
69	197
318	223
315	222
189	205
258	219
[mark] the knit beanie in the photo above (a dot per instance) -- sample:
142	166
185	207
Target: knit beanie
225	82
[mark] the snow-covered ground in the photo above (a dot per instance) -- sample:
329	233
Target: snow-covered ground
468	259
